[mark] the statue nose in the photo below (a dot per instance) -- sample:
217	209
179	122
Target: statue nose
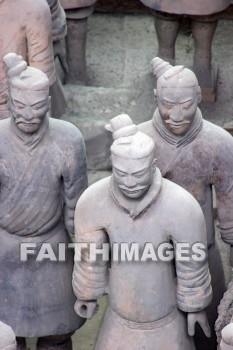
129	181
28	115
176	114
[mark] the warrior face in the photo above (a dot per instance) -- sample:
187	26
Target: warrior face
177	107
133	176
178	95
29	108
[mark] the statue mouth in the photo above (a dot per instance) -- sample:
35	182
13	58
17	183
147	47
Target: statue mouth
177	125
132	191
28	124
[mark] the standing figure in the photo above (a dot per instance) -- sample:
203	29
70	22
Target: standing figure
7	337
41	179
198	156
77	13
204	16
137	211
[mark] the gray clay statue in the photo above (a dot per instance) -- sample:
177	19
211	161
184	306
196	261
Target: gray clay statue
148	308
7	337
204	16
77	13
198	156
41	179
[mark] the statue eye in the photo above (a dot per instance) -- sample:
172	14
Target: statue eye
120	173
186	106
168	105
19	105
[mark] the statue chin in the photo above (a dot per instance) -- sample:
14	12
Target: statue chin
28	128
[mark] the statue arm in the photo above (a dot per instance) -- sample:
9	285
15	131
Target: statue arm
74	178
39	40
194	292
59	31
59	28
90	274
222	179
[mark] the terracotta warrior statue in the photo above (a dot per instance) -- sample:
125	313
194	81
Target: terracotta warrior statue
7	337
41	179
198	156
135	207
30	35
77	13
204	16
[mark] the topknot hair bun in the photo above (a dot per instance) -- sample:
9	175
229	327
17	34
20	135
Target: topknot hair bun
15	64
122	126
159	66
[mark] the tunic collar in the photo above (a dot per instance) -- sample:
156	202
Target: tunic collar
178	140
135	207
30	140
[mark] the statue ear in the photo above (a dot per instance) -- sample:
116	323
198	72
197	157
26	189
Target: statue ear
199	95
154	164
155	94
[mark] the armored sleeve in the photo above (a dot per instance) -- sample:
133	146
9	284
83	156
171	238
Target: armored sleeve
90	275
59	28
39	39
222	180
194	291
74	176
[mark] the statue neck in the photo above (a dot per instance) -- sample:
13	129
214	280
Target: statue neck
178	140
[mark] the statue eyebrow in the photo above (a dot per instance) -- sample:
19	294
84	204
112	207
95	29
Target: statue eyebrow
184	101
39	102
139	171
21	103
135	173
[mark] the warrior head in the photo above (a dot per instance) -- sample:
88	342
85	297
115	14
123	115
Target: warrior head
178	95
132	154
7	337
29	99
